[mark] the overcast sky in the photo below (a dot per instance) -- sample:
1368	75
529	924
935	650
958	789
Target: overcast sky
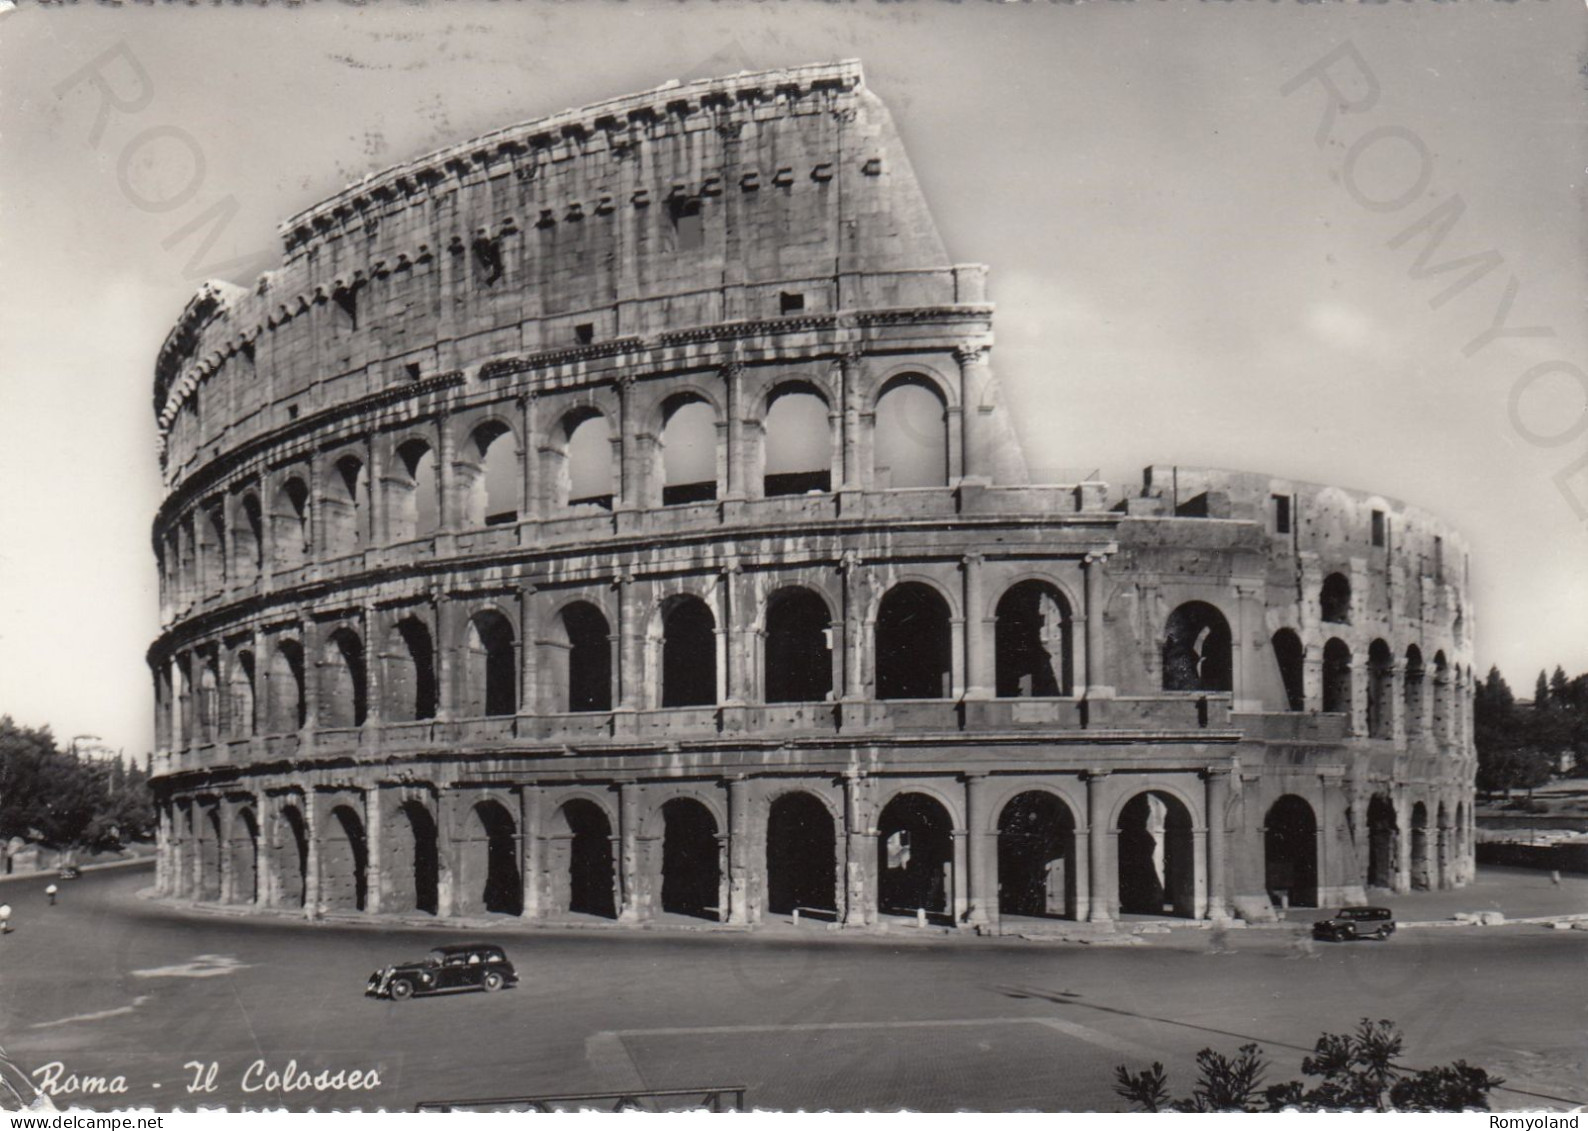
1183	274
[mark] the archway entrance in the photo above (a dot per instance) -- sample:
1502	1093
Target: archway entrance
493	860
413	864
801	856
1290	852
344	862
291	857
1420	862
210	852
691	864
245	857
915	856
1036	857
1157	864
583	879
1382	832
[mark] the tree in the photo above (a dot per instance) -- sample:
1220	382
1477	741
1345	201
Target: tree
1559	689
1357	1073
1541	691
58	798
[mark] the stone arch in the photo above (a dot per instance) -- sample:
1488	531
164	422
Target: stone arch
578	651
688	652
209	698
686	452
797	651
1383	833
915	855
1198	653
343	683
801	855
345	502
1337	676
287	706
1422	869
488	474
1036	856
914	643
409	688
796	450
490	865
581	865
212	547
240	694
413	859
1380	690
691	859
910	433
1290	656
212	854
1442	681
344	861
490	675
248	539
244	856
1034	650
1334	599
414	492
291	853
1412	691
584	472
289	524
1157	856
1290	852
1443	847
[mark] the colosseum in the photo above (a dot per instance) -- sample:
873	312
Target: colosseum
616	517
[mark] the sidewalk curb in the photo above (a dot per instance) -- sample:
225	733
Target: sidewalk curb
53	874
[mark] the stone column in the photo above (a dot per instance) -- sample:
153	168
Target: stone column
532	847
1217	782
977	456
629	816
311	877
1403	846
1097	685
1099	857
630	488
1397	702
447	477
738	850
860	856
528	631
978	672
445	658
630	646
379	532
374	848
311	673
854	626
981	848
735	478
374	705
529	421
851	392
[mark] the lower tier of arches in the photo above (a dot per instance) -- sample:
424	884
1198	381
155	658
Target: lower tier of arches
977	849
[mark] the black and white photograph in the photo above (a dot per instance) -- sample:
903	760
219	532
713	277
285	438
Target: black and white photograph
785	555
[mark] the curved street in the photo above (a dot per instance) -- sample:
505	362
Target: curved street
107	984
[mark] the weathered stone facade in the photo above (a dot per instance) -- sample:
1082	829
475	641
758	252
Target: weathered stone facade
505	568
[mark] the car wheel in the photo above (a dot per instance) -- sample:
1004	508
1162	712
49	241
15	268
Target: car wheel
492	981
401	991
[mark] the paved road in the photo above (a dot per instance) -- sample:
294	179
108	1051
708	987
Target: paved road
106	984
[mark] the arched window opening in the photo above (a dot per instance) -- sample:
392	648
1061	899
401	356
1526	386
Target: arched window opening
1289	655
915	857
1442	679
689	653
492	861
1380	690
799	664
214	549
1036	857
1422	870
688	225
691	860
798	446
342	685
1443	846
491	672
413	865
289	525
589	658
801	858
1334	600
1197	650
344	862
689	452
291	854
583	878
910	441
244	857
241	696
1033	642
588	476
914	644
1383	832
212	853
248	540
415	494
410	685
490	475
1157	864
209	702
346	507
1290	853
1337	677
287	705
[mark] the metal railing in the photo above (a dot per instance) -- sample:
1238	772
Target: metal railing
717	1099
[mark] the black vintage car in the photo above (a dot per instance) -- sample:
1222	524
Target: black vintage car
1356	923
461	966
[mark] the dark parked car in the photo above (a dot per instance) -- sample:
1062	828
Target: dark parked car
1356	923
71	872
462	966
